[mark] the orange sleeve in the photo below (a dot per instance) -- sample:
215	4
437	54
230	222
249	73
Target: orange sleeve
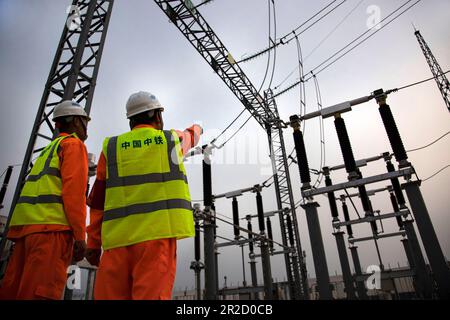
190	137
96	202
74	176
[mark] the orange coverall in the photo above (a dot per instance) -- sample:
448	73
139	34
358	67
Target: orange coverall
37	268
143	271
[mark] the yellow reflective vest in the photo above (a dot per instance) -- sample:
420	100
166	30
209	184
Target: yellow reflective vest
147	194
40	201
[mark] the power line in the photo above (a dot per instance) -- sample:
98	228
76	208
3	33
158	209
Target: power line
435	174
334	29
417	83
321	42
224	130
426	146
294	32
232	136
368	37
349	44
268	58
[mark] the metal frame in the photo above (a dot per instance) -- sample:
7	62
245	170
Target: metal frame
439	76
73	76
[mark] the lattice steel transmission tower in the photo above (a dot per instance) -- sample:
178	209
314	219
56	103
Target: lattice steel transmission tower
184	15
436	69
72	76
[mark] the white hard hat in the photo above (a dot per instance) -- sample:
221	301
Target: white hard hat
142	101
69	108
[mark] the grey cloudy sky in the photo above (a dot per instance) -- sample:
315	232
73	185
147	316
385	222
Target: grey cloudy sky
145	52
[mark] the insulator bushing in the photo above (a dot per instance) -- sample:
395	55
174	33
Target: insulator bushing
197	242
259	206
207	184
5	183
302	160
372	223
331	199
347	218
396	185
269	232
290	230
392	132
346	147
235	217
396	209
364	199
250	236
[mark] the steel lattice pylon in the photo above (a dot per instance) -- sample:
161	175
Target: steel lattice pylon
194	27
73	75
436	69
296	267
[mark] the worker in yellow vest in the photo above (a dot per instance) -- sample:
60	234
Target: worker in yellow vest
48	224
140	205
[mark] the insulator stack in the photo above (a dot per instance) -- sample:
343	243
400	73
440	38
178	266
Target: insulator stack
347	218
290	230
235	217
269	232
207	184
396	185
302	160
259	206
197	241
392	132
346	147
396	209
331	199
5	183
250	236
372	223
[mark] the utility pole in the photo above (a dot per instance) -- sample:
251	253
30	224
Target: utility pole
73	76
436	70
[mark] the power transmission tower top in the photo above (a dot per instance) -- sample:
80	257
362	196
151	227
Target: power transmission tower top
438	74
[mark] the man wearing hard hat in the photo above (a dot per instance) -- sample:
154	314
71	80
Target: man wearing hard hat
48	224
140	205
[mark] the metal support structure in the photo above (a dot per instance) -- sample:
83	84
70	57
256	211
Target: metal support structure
360	287
295	264
438	263
423	281
436	70
195	28
318	251
5	184
209	227
73	75
265	254
345	265
197	265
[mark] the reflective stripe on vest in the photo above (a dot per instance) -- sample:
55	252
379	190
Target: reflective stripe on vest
40	201
141	204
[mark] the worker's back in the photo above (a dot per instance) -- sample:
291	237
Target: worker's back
147	195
